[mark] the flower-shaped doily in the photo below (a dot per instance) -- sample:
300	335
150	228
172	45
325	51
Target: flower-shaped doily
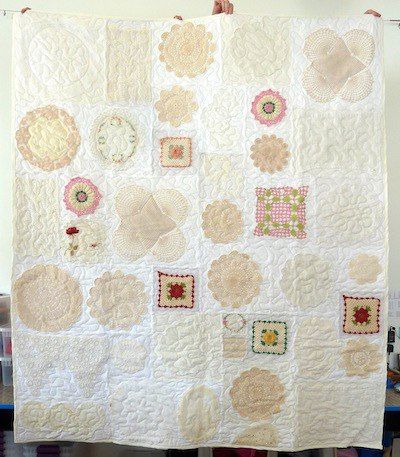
187	49
222	221
257	394
234	279
118	301
270	154
269	107
360	358
364	268
48	137
56	296
176	106
81	196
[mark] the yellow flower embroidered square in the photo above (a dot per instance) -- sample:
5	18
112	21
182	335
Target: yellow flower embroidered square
269	337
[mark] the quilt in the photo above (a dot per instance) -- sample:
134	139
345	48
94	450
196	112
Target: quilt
200	237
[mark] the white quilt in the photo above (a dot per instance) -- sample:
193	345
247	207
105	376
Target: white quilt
200	241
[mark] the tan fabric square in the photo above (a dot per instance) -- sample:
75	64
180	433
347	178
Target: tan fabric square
338	65
234	348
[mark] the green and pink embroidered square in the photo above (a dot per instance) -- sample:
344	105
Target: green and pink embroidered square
281	212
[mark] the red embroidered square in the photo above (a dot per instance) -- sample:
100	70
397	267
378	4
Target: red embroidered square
361	315
176	152
175	291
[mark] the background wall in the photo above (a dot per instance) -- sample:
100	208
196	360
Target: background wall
146	9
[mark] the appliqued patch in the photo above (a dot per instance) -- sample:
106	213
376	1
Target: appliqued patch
48	138
281	212
176	152
361	358
56	294
187	346
114	138
81	196
361	315
306	280
269	337
175	291
269	60
269	107
128	64
269	154
117	300
222	119
36	216
234	347
222	221
257	394
222	176
84	241
316	347
339	66
234	279
71	69
128	355
348	214
176	106
234	322
187	49
150	223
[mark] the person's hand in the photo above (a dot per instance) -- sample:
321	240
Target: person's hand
373	12
222	6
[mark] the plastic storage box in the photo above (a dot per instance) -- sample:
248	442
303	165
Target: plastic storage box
10	449
6	371
5	303
48	449
6	341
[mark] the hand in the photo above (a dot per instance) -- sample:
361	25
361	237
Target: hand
373	12
222	6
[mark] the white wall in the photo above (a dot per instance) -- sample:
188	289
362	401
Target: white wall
191	8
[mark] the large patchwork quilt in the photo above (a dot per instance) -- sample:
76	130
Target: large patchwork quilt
200	239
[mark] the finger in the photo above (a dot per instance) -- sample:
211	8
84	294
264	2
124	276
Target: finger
373	12
230	11
217	7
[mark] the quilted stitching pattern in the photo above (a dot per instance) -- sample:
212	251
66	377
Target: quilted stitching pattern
193	202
